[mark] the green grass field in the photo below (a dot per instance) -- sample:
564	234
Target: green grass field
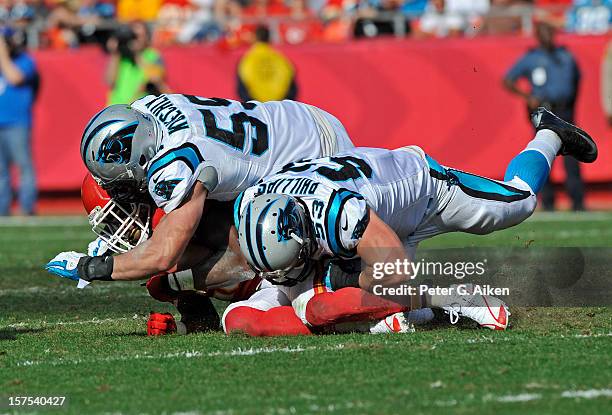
90	346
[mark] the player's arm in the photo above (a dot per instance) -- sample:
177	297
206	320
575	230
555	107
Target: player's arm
378	246
163	250
158	254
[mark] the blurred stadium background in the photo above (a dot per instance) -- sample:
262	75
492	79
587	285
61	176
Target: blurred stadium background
395	72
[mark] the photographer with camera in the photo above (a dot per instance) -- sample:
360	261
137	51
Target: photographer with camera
135	68
18	87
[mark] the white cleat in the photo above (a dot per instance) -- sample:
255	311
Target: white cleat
395	323
486	310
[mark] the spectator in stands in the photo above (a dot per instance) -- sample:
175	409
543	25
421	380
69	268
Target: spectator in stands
132	10
471	10
202	23
135	68
378	18
18	86
590	17
606	82
506	16
554	77
265	74
414	8
438	21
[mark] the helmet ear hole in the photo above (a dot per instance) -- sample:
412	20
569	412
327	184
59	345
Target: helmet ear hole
143	160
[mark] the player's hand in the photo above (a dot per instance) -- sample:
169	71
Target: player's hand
97	247
160	324
65	265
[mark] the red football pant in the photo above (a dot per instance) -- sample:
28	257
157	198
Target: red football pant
348	305
323	310
277	321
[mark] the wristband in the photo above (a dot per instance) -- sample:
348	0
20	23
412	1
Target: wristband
96	268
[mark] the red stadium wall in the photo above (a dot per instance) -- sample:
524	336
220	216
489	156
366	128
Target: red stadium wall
444	95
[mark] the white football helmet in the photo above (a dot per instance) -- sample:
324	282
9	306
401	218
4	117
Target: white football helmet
121	225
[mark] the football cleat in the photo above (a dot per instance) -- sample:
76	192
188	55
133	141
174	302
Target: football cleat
394	323
575	142
486	310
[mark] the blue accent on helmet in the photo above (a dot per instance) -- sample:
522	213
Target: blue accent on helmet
249	243
237	210
117	147
288	222
95	131
259	235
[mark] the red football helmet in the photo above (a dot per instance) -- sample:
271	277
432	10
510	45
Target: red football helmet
121	226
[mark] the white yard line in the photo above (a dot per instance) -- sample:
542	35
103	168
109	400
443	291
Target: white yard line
71	288
72	323
527	397
521	397
42	221
588	394
183	354
584	336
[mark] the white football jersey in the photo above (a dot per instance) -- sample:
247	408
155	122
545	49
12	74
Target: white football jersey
230	145
339	191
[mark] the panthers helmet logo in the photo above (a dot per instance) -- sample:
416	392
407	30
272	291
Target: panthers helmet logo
165	188
117	148
289	222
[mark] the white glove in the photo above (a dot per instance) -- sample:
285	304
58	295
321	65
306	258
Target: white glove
97	247
65	265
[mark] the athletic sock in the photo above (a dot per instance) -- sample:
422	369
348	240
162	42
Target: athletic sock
546	142
533	164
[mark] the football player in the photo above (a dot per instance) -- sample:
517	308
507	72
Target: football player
379	204
214	270
217	272
183	150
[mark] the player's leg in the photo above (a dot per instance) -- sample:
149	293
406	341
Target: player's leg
347	304
350	309
480	205
266	313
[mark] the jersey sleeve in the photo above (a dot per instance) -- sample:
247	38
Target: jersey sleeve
172	176
346	219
